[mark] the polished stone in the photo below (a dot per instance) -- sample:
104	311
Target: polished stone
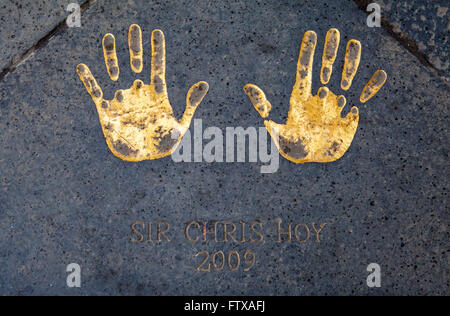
65	198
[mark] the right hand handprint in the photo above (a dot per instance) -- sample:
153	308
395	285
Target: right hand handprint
315	130
139	123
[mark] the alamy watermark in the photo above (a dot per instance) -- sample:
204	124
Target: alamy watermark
374	278
211	145
374	18
74	19
74	278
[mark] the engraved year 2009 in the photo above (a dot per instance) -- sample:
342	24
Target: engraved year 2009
226	233
219	260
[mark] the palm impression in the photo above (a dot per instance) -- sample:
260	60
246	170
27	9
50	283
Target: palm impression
315	130
139	123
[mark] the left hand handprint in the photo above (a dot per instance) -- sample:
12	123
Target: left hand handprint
139	123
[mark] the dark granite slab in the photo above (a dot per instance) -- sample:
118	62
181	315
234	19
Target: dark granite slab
426	25
65	198
23	23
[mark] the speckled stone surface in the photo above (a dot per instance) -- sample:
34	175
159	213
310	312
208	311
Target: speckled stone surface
426	23
65	198
24	22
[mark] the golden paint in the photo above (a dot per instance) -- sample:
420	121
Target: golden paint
373	86
352	60
305	65
315	130
259	100
135	45
158	67
109	52
330	50
139	123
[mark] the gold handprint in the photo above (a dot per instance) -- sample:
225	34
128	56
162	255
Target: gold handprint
315	130
139	123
